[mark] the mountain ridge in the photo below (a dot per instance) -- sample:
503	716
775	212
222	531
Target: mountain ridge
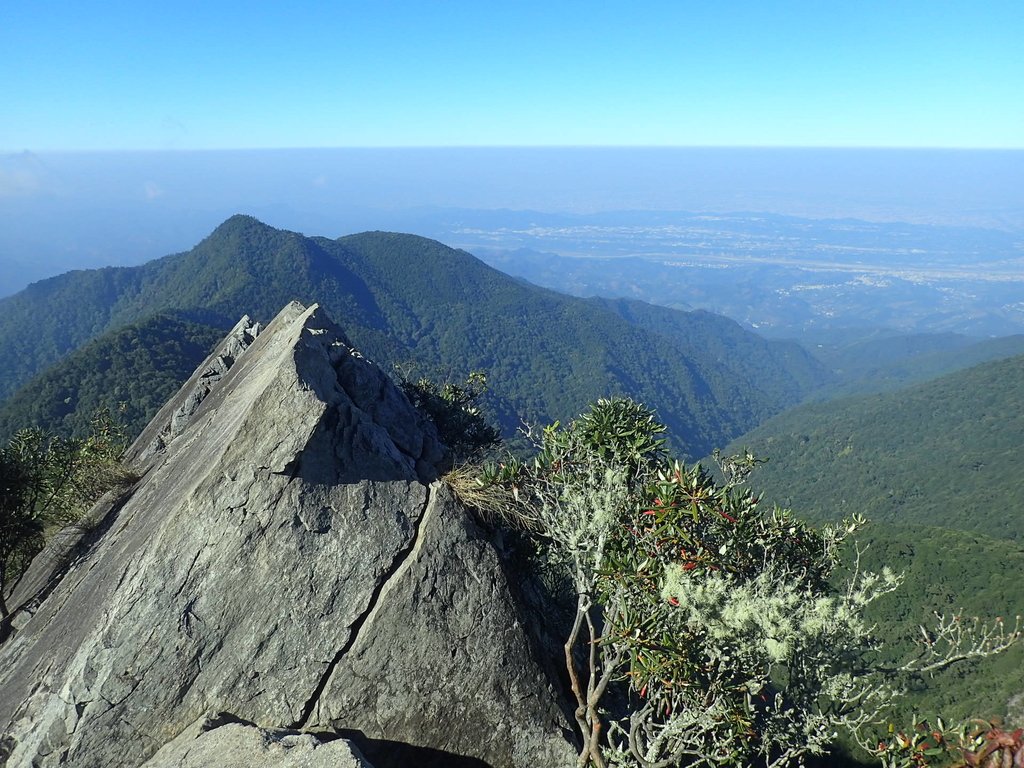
407	298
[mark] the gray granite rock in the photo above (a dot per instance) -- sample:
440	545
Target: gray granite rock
212	744
286	558
444	633
171	420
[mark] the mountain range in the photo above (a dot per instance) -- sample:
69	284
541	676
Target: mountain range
938	453
413	302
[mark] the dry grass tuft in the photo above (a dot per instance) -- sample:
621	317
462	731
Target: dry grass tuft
493	502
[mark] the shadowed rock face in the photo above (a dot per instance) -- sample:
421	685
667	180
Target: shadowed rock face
286	559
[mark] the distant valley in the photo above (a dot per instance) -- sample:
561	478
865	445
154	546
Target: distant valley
65	211
783	276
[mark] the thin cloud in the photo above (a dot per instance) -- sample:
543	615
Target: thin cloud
152	190
22	175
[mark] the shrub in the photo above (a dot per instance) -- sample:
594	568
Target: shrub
47	482
979	743
455	411
720	622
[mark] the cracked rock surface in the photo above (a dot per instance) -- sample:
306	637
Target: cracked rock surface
284	559
172	419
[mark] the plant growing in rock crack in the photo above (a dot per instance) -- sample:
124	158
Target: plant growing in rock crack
720	625
455	410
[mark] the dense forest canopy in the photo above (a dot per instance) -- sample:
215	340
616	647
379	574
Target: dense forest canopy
415	302
945	452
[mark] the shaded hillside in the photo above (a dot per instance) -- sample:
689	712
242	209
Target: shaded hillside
776	368
946	571
131	371
406	299
943	453
886	361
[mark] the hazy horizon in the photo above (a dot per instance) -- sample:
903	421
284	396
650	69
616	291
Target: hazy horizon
131	131
61	211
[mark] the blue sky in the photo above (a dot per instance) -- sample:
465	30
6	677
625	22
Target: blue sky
84	75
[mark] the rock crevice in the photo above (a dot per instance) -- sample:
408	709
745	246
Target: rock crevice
387	578
284	557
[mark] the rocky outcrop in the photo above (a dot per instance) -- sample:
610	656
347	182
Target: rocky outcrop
288	559
171	420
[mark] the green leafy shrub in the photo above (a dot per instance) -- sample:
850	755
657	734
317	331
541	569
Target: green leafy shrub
721	624
455	411
47	482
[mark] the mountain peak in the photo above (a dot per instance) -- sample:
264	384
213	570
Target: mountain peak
405	298
241	222
245	228
289	562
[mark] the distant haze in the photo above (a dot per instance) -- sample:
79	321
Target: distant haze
79	210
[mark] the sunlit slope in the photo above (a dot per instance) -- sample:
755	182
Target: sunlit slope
406	299
944	453
949	571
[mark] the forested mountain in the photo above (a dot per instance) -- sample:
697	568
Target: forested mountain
936	454
933	467
946	571
883	361
405	299
730	350
943	453
131	371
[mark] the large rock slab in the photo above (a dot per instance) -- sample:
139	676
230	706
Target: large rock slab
445	633
209	743
171	420
288	559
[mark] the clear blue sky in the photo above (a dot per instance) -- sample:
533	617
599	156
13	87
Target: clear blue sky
88	75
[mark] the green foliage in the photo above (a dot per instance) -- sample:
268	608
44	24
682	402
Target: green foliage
21	531
741	650
401	297
886	361
47	482
941	453
133	371
733	359
731	627
938	454
455	411
943	568
616	431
